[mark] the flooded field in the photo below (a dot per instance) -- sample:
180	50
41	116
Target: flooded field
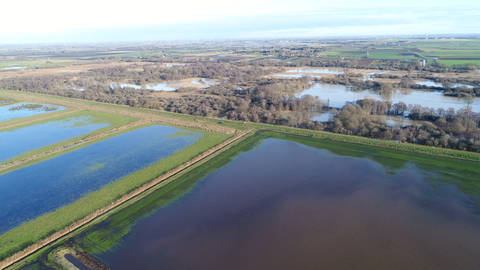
156	86
435	84
21	140
338	95
21	110
14	68
287	205
317	70
327	71
46	186
312	72
170	86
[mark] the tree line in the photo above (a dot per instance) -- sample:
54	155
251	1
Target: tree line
251	97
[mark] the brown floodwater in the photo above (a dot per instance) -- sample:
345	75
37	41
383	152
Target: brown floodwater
285	205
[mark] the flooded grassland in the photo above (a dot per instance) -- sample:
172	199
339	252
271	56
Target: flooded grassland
281	201
21	110
18	142
67	187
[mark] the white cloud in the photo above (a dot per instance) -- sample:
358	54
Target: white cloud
243	17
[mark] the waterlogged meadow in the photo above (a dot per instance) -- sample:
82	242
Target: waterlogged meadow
21	140
298	203
21	110
40	188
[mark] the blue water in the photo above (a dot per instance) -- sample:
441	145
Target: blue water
30	192
7	114
284	205
21	140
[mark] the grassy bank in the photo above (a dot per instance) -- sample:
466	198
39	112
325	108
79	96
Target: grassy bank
462	173
32	231
442	152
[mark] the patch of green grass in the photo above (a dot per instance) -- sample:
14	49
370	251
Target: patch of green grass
389	55
452	53
34	62
458	62
462	173
449	44
179	134
96	166
358	53
462	155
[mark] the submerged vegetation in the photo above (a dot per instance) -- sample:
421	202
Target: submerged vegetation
33	107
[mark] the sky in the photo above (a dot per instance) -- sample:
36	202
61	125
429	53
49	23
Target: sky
33	21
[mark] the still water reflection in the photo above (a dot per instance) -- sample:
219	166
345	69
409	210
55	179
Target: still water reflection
338	95
285	205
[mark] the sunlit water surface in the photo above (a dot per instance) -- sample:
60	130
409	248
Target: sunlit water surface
284	205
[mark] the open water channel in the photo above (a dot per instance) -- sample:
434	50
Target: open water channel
287	205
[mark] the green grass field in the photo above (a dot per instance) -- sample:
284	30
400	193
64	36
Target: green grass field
429	48
34	62
350	53
390	55
458	62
